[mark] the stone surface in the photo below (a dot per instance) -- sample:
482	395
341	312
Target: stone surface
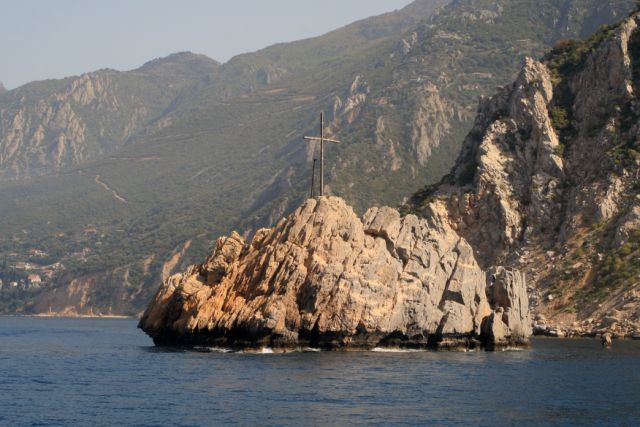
507	290
559	203
324	277
606	340
513	179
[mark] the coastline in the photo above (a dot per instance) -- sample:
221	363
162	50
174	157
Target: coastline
590	335
70	316
551	335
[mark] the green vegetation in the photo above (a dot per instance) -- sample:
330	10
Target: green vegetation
17	301
560	118
624	154
568	56
619	267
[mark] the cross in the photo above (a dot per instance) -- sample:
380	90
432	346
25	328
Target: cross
322	139
313	176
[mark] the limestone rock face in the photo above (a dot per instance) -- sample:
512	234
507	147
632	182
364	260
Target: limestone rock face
547	183
506	289
513	180
324	277
51	133
431	121
345	111
627	225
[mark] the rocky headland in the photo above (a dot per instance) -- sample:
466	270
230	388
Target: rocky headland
547	183
325	278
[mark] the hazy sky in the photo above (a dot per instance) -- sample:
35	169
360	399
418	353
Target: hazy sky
42	39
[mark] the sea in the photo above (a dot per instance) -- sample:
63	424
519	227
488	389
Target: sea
106	372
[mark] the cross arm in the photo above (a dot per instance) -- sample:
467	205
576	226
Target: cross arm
314	138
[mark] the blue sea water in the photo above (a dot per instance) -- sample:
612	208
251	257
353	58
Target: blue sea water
95	372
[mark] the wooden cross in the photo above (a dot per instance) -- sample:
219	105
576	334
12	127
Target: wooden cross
322	139
313	176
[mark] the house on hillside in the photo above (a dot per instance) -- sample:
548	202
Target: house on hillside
37	253
24	266
89	231
34	280
48	272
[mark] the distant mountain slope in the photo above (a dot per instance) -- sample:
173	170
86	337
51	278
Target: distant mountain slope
178	69
48	126
252	71
226	150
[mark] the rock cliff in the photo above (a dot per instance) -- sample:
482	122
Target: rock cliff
325	278
546	183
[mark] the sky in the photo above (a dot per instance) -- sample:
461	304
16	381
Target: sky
42	39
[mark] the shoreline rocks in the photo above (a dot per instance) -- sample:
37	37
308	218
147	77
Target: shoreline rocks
324	278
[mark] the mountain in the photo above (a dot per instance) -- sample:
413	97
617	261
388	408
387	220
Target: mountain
225	151
179	69
2	88
48	126
324	278
546	182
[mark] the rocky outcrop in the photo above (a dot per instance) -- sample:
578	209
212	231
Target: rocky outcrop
325	278
606	340
346	111
510	160
507	289
431	121
49	134
544	186
546	183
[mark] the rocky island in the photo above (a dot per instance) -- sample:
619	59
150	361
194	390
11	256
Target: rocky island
325	278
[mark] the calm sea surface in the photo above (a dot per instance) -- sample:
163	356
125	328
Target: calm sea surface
93	372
